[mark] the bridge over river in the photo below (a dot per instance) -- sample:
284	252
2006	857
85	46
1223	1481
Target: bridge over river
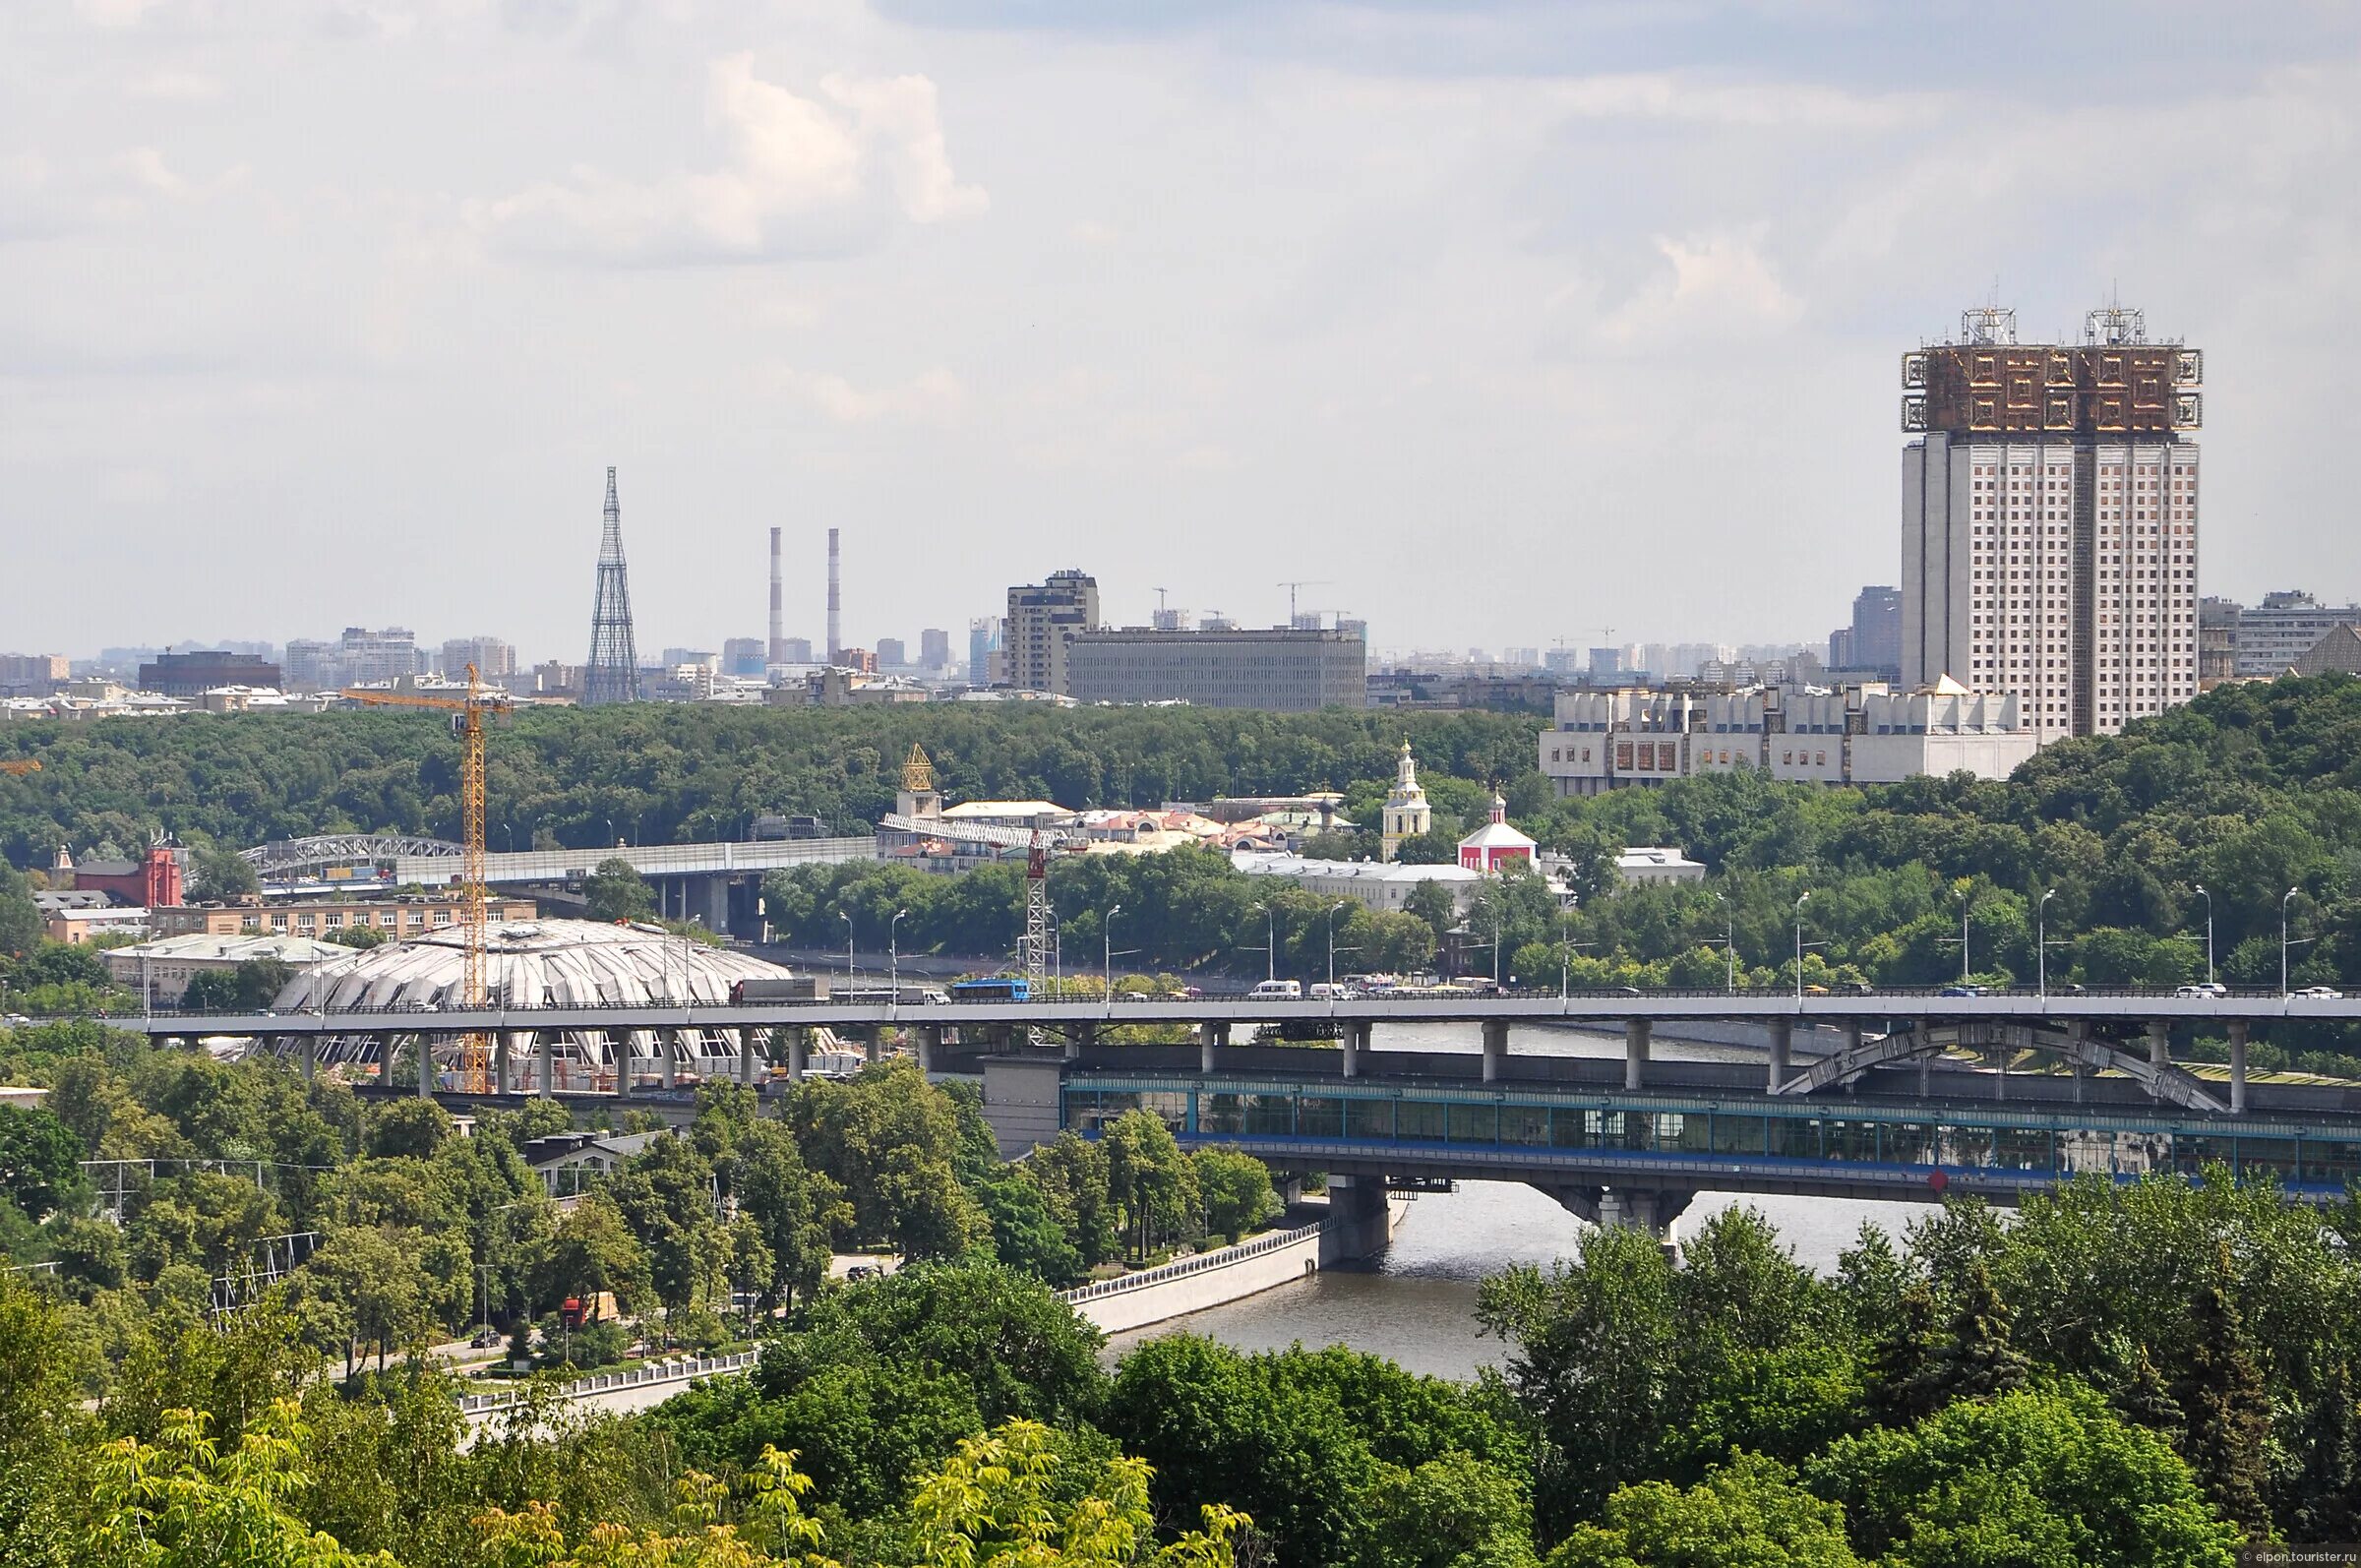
1907	1094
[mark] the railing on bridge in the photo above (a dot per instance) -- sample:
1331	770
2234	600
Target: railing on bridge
680	1370
654	860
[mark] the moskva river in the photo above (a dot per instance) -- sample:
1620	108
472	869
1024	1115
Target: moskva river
1418	1303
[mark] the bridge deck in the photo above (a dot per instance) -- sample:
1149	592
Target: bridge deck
1878	1009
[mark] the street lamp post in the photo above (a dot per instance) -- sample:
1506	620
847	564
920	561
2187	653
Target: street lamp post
1565	967
1729	945
2041	939
894	955
1332	908
1270	939
1107	949
2283	901
1799	903
2201	892
846	916
1965	904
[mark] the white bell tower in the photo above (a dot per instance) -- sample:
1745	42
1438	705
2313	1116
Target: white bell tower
1406	814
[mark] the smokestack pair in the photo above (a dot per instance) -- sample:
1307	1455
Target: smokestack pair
778	624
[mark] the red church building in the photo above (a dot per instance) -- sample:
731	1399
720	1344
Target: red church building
1495	843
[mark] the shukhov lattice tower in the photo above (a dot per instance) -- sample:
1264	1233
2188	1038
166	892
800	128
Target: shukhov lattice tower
613	673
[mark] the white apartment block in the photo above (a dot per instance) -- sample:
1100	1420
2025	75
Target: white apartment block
2050	522
1862	735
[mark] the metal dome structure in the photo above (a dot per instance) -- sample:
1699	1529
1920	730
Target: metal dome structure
543	963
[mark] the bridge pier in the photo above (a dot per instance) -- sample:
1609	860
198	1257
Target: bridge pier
799	1053
1782	1045
746	1058
1357	1215
1495	1048
1209	1036
872	1042
623	1064
2238	1029
1654	1210
549	1064
1355	1042
1086	1033
1636	1035
2159	1045
930	1045
712	896
426	1067
311	1056
669	1043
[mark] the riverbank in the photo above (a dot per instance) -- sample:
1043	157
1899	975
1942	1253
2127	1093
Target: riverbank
1220	1276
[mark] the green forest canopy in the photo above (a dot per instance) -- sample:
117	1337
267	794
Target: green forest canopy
2246	793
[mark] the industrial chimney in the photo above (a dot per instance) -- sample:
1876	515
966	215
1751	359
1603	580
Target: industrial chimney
835	607
778	626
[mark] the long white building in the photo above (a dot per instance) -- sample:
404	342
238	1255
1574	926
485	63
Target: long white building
1860	734
2049	520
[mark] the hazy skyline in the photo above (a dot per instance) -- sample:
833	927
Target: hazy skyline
1514	322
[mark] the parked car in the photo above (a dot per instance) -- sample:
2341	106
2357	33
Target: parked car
2321	993
2203	988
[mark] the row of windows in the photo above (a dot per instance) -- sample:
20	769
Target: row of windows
1491	1125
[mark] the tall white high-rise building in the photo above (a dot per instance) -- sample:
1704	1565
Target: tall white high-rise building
2049	520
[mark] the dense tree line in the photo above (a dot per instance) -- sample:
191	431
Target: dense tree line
423	1231
660	773
2132	1377
2101	847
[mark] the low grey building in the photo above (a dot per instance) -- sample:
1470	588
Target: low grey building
1282	669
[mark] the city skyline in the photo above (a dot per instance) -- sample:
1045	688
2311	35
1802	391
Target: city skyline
1352	288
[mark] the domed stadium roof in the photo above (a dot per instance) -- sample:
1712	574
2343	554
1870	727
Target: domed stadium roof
538	963
542	963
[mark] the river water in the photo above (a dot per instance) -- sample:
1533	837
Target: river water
1417	1305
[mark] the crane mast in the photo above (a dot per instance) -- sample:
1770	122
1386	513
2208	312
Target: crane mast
467	717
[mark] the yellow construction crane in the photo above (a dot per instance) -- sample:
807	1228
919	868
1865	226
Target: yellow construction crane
467	712
21	767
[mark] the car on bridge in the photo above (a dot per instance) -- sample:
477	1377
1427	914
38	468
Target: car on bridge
1964	988
2203	988
2322	994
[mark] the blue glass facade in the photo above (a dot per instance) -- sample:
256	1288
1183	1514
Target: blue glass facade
1745	1135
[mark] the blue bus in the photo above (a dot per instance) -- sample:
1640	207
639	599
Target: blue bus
999	988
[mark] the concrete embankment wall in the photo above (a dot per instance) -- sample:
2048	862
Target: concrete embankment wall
1226	1274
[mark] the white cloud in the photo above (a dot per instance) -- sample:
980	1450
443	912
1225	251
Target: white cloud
1784	106
800	173
1712	284
114	13
933	394
173	87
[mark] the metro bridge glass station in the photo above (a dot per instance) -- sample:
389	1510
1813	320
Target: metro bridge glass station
1814	1145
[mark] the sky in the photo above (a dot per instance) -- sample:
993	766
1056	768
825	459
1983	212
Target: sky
1498	321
